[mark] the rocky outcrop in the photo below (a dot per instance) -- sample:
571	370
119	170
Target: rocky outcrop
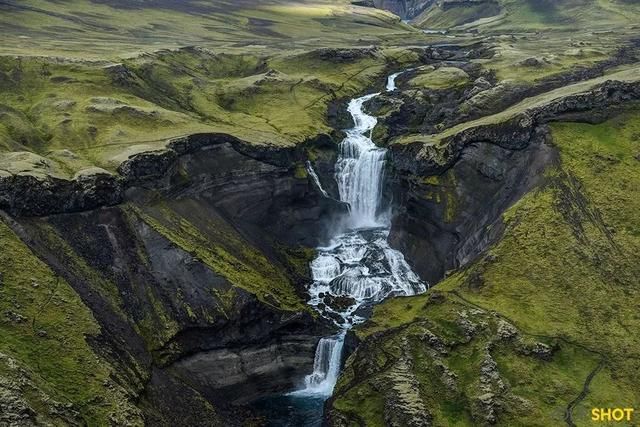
410	9
26	194
406	9
478	173
196	274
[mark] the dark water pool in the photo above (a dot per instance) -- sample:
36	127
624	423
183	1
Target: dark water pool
291	411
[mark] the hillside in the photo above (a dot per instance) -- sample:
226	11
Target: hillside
173	184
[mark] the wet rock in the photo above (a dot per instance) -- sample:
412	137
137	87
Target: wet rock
338	303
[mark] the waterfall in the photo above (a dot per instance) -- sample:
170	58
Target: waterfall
391	81
326	367
358	266
315	178
360	168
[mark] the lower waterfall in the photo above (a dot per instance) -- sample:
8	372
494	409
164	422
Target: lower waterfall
357	269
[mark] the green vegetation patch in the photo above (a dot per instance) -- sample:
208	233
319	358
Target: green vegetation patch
440	78
59	117
224	250
44	326
564	279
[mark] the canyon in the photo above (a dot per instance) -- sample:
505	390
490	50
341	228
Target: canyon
392	228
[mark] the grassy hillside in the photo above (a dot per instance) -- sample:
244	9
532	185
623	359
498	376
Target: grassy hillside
87	84
44	353
76	115
547	313
97	29
531	15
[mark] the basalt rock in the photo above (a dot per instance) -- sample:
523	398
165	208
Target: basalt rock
479	172
172	317
31	195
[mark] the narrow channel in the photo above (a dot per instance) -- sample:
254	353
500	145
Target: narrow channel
357	269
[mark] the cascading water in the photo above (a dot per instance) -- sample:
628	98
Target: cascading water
315	178
357	269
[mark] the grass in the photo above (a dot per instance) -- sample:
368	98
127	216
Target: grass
56	364
532	15
629	74
219	246
565	273
86	29
77	116
440	78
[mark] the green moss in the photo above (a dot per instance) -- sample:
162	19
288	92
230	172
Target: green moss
226	300
300	172
50	340
563	274
440	78
227	253
79	115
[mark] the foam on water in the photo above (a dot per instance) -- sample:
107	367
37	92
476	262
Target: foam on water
358	263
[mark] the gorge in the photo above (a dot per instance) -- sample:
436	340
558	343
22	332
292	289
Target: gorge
357	267
370	213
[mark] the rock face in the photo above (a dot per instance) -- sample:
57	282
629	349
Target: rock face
33	195
196	275
476	175
409	9
37	195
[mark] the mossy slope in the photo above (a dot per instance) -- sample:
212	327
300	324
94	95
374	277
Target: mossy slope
565	275
79	115
46	360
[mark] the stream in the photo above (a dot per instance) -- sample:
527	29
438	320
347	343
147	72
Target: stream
356	270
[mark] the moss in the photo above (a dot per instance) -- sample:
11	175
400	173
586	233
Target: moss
82	114
440	78
300	172
50	339
225	299
436	145
227	253
564	274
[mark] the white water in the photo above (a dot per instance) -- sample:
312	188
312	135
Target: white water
391	81
315	178
358	263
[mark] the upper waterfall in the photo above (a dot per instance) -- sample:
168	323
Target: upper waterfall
360	168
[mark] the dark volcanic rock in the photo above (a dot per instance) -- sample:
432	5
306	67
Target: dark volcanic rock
339	303
179	321
478	173
29	195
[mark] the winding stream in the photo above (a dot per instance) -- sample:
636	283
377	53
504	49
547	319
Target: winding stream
357	269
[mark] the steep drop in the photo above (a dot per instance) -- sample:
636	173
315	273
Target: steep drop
356	269
359	267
